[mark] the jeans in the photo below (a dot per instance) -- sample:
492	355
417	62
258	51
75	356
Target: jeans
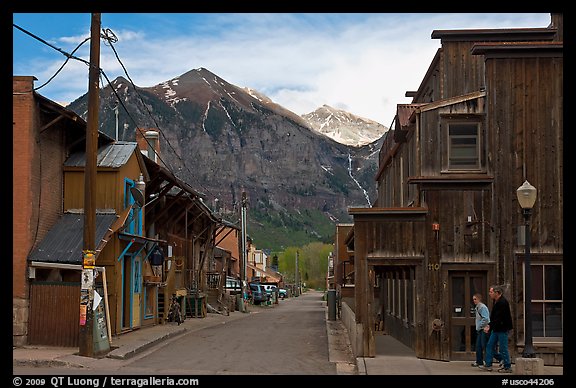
481	340
500	338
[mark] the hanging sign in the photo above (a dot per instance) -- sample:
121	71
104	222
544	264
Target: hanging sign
97	299
89	259
87	281
83	309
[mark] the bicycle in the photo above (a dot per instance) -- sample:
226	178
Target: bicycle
175	314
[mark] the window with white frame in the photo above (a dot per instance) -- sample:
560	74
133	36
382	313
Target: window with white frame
463	146
547	302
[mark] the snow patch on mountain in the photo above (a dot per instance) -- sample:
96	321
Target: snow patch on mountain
344	127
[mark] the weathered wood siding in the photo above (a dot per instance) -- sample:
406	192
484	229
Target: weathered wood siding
464	72
109	186
393	189
526	142
458	239
54	314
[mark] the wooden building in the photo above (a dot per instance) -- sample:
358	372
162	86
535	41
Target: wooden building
139	205
177	217
44	134
487	116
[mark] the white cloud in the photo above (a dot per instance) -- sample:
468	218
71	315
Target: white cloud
299	61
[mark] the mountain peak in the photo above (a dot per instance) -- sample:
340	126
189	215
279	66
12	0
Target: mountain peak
344	127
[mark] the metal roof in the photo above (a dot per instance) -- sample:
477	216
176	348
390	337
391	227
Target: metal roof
64	242
112	155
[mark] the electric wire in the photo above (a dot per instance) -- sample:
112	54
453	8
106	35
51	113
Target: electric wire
109	37
67	55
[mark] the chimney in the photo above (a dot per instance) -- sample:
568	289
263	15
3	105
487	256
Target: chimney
148	142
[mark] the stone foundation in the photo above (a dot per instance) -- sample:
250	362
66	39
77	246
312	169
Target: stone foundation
19	322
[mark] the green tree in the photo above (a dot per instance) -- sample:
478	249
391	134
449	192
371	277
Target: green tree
312	261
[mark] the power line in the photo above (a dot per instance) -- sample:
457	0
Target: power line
67	55
109	36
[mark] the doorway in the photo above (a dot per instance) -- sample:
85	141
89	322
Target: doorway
131	291
464	284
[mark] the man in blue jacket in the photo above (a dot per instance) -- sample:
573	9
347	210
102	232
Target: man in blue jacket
500	324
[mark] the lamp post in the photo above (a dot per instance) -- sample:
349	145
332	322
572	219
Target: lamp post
527	197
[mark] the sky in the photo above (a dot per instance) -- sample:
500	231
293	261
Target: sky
359	62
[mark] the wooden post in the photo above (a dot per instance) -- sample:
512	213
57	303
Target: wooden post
86	343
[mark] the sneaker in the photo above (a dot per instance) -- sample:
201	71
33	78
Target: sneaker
485	368
501	363
505	370
475	364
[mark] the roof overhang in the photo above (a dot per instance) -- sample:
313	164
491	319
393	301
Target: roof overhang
495	34
64	241
452	181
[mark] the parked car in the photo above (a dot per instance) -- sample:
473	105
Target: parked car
258	293
270	288
282	293
233	286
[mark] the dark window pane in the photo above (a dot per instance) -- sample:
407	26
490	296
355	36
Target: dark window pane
410	300
553	281
458	296
537	282
456	141
538	319
553	319
463	152
463	129
463	146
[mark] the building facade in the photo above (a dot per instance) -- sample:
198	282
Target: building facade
446	224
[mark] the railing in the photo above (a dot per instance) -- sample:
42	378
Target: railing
213	280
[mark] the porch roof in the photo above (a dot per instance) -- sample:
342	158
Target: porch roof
64	241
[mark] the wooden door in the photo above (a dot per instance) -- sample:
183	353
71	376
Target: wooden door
462	326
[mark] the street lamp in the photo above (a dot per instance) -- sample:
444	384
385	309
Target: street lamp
527	197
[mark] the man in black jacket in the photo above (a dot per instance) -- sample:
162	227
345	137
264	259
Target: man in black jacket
500	324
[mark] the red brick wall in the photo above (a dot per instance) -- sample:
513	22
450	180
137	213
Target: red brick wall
37	182
24	120
37	178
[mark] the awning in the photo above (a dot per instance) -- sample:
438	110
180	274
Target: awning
64	242
136	243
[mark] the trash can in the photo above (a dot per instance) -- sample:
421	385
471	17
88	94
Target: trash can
331	305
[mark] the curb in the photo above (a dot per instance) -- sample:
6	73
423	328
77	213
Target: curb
123	354
361	365
46	363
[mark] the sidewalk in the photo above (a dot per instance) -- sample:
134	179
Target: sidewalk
395	358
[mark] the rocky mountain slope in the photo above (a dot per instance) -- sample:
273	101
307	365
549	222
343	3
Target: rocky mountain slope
223	139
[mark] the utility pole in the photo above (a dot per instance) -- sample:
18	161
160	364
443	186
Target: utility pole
86	335
297	276
244	242
116	114
243	252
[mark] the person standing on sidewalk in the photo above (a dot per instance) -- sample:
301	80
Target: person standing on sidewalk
482	319
500	324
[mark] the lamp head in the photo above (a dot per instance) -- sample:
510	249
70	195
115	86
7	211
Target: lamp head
526	195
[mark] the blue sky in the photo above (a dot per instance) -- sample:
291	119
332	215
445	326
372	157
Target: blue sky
362	63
